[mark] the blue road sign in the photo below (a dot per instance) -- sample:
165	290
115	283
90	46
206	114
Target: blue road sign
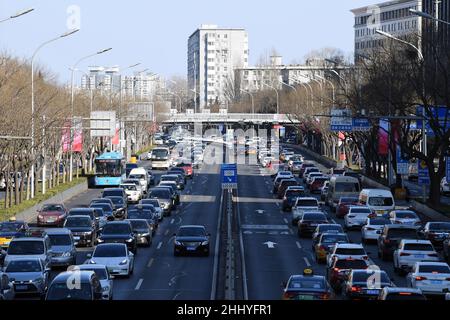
441	113
424	177
361	124
228	173
447	160
402	164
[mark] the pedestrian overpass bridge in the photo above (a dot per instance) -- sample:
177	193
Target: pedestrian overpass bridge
229	118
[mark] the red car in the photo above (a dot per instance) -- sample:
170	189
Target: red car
344	204
52	215
188	170
339	269
317	184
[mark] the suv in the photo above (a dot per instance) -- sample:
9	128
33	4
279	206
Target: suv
88	286
83	230
63	247
114	192
390	237
119	232
303	205
32	246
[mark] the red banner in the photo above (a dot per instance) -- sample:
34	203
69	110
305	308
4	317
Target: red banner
383	138
77	143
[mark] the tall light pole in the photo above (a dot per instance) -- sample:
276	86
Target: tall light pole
252	97
66	34
332	86
289	86
303	85
72	99
18	14
278	96
178	97
176	94
311	89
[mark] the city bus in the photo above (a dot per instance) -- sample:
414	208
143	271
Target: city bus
109	170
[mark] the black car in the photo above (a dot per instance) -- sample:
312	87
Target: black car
309	222
90	212
191	239
83	230
437	232
291	195
358	284
143	231
144	211
120	207
391	236
119	232
108	210
114	192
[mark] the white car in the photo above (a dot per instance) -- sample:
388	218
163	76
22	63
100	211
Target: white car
284	175
411	251
133	194
346	251
115	256
302	205
430	277
310	177
445	186
106	280
406	217
356	217
373	228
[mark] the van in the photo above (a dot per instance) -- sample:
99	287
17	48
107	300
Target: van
341	186
142	175
160	158
378	200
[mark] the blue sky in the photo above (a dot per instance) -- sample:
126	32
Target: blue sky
155	33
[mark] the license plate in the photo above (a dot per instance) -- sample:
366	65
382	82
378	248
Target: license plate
372	291
50	220
21	287
76	238
420	256
117	271
191	248
304	297
435	281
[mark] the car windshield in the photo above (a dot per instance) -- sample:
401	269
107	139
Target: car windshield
137	176
403	233
350	264
60	291
60	240
52	207
139	224
350	251
307	283
160	153
346	187
314	217
379	221
130	187
191	232
26	248
334	238
381	201
405	215
116	228
440	226
139	214
365	275
163	194
24	266
361	210
418	247
112	251
9	227
117	200
153	202
81	222
307	203
434	269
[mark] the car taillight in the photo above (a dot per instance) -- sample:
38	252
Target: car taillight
404	254
288	295
387	241
336	269
356	289
420	278
324	296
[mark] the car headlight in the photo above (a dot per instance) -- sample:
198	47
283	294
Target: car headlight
177	243
129	240
205	243
40	216
87	233
92	262
100	240
66	254
123	262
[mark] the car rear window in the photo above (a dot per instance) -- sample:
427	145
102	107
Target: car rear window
406	215
404	296
350	251
379	221
440	226
349	200
418	247
351	264
381	201
26	248
434	269
334	238
328	228
403	234
116	228
307	203
314	217
361	210
306	283
363	276
110	251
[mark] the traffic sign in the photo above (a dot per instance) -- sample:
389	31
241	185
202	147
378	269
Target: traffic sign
424	177
341	120
228	173
402	164
361	124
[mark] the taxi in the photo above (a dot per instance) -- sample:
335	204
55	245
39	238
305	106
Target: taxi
307	287
11	229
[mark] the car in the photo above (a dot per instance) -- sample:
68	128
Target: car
347	250
106	279
354	175
89	212
156	205
165	199
400	294
88	286
108	209
142	176
303	168
284	184
311	176
36	245
147	212
337	272
295	166
325	242
51	215
380	201
432	278
115	256
143	231
283	174
28	276
63	247
342	187
302	205
323	228
324	190
390	237
446	250
406	217
356	217
6	287
187	167
129	167
445	187
178	171
83	230
277	183
411	251
133	194
191	239
290	196
169	185
307	287
317	183
120	207
309	222
308	171
373	227
266	161
119	232
344	204
436	232
101	217
365	284
178	179
114	192
137	183
102	200
11	229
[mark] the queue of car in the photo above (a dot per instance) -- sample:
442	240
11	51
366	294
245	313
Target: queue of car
419	252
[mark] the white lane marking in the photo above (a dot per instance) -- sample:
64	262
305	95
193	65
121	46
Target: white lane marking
159	245
290	231
278	205
298	245
176	296
167	232
139	284
307	262
150	263
286	221
172	221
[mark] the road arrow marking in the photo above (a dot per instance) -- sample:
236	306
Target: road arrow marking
260	211
270	244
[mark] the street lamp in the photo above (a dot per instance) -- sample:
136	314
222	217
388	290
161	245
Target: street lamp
66	34
289	86
303	85
332	86
72	98
252	97
278	96
18	14
427	16
390	36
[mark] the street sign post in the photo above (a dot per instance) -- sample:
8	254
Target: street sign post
228	173
424	177
402	164
341	120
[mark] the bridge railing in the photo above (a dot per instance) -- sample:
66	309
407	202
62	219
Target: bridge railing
230	117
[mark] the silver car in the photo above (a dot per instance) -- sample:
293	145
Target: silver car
63	247
28	276
106	279
30	248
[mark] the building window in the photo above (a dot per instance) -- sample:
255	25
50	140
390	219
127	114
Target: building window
225	36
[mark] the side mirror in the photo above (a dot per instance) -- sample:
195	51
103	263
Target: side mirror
47	269
111	276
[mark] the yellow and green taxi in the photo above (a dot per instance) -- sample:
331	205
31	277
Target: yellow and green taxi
9	230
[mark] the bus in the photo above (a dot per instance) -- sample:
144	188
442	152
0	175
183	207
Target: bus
160	158
109	170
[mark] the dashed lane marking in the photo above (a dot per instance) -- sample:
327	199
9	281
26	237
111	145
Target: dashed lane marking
307	262
167	232
298	245
150	263
139	284
159	245
286	221
172	221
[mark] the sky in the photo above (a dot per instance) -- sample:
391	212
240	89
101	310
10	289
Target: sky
155	33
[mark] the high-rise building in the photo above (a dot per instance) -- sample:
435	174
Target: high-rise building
213	54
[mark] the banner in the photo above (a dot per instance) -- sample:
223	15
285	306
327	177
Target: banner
77	143
383	138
